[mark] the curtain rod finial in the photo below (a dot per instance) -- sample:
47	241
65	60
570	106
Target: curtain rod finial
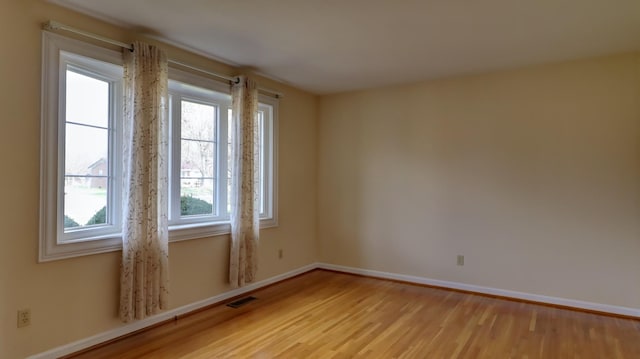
51	25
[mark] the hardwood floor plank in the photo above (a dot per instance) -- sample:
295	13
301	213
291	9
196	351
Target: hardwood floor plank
325	314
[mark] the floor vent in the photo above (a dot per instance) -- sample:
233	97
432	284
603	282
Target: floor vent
240	302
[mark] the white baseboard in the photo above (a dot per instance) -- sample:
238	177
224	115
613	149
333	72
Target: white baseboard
604	308
141	324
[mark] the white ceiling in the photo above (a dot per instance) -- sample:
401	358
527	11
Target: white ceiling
326	46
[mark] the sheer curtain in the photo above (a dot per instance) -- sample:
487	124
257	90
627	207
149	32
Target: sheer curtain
144	271
245	213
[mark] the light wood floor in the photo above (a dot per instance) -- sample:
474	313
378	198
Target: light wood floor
330	315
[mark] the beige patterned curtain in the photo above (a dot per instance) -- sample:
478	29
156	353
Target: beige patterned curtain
144	272
245	213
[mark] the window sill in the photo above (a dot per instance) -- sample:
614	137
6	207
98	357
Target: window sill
177	233
185	232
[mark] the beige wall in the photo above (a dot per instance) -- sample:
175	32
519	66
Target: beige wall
532	174
74	299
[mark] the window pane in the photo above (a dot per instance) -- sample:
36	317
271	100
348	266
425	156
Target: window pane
229	154
85	201
198	121
86	176
197	159
260	185
87	100
86	150
196	196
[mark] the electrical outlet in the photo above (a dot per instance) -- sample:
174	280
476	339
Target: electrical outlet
24	317
460	260
280	253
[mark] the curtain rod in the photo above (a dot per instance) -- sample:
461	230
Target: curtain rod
54	25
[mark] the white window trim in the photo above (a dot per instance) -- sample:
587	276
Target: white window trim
271	184
114	200
186	231
175	217
51	210
49	248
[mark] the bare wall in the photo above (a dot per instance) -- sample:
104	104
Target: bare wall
532	174
77	298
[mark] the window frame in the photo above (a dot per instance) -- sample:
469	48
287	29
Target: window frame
51	210
57	52
269	105
192	87
114	194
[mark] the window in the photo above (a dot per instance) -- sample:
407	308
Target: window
81	120
82	93
200	182
89	122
